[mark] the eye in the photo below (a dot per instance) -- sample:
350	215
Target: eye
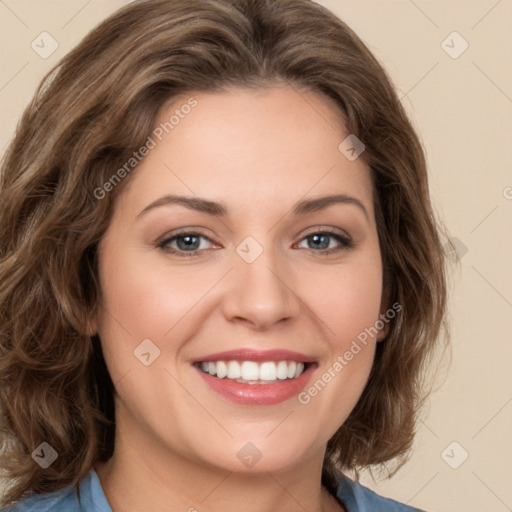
322	242
184	244
189	243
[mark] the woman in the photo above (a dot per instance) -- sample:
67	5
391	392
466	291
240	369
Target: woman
221	277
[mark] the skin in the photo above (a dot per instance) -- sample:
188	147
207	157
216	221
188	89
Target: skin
258	152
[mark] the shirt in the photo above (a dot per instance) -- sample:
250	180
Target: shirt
353	495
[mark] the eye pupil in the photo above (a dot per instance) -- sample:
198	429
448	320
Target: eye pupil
188	240
317	238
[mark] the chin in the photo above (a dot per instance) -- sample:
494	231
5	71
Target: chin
261	455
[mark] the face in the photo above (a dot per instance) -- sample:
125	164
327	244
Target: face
229	316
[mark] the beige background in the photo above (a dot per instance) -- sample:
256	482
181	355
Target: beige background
463	109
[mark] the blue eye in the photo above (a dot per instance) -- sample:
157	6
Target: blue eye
188	244
321	240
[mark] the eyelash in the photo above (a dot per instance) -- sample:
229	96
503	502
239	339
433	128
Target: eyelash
345	243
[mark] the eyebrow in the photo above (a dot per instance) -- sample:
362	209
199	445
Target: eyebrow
213	208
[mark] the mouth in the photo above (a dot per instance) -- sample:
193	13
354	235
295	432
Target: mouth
253	377
252	372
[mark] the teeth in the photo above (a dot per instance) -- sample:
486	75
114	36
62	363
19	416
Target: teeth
250	371
268	371
292	366
234	371
282	370
222	369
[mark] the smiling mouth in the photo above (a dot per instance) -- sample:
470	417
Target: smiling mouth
252	372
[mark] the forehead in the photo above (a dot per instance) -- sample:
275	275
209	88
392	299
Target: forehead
250	146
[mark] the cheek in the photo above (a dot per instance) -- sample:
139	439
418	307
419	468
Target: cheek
146	298
348	299
141	297
131	302
349	311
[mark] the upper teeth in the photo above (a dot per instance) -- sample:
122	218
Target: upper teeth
253	371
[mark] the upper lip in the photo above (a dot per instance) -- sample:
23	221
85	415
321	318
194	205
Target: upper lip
247	354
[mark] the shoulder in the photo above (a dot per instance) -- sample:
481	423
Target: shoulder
65	500
90	498
358	498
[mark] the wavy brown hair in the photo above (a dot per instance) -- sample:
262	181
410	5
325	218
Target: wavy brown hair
88	116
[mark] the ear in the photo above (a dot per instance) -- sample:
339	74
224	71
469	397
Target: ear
91	326
385	329
383	333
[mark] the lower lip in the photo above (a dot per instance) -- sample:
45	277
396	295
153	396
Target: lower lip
258	394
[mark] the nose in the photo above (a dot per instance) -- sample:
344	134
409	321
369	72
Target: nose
261	293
